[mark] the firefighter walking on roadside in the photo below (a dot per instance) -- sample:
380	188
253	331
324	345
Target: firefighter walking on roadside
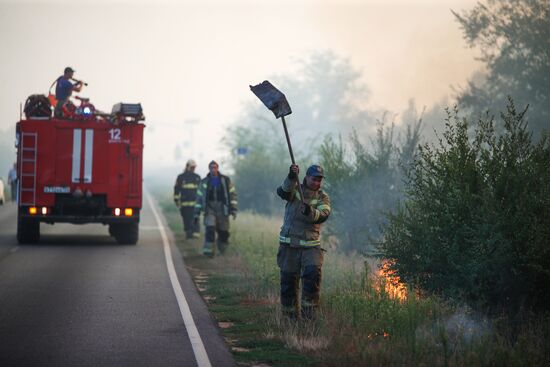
300	254
185	195
217	197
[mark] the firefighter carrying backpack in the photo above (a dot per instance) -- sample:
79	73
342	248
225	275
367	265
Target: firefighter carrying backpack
38	105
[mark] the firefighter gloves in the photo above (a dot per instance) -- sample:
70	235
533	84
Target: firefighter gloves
293	172
306	209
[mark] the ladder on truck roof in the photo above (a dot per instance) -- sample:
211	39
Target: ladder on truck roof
27	169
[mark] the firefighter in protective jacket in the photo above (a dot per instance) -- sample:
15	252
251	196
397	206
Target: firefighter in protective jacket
185	196
218	198
300	254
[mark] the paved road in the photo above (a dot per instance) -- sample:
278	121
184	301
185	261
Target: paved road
80	299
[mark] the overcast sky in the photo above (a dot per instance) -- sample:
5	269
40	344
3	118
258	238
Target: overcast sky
190	62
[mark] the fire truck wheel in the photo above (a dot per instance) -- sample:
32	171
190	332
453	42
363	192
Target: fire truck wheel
28	231
126	234
112	229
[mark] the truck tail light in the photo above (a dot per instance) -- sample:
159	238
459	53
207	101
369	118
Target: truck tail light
33	210
117	212
44	210
128	212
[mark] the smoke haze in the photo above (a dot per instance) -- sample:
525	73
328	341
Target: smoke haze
190	63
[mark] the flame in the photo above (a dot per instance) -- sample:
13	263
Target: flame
383	334
392	283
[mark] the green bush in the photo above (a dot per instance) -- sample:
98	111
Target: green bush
365	182
475	223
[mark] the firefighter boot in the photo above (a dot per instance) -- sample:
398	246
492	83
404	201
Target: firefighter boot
290	283
223	237
311	283
209	248
196	228
308	312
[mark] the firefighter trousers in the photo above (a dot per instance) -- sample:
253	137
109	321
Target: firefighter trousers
297	263
216	221
188	216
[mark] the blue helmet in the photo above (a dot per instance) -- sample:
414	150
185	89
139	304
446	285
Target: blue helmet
315	170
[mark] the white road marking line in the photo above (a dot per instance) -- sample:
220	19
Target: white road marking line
150	228
194	336
14	249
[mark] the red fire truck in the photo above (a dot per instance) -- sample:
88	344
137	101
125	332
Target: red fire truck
83	168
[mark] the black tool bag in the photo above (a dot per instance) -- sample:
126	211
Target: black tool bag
38	105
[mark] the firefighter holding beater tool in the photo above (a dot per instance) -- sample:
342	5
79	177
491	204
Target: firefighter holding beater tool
300	255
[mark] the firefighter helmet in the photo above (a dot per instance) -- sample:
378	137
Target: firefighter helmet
315	170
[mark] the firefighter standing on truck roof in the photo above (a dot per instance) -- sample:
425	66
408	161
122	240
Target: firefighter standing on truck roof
300	254
63	90
218	198
185	196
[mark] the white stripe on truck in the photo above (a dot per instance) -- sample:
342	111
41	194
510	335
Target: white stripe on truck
89	155
77	142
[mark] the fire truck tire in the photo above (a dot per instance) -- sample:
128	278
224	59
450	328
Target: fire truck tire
125	234
112	230
28	231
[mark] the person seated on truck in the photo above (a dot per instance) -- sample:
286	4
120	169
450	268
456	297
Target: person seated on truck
64	89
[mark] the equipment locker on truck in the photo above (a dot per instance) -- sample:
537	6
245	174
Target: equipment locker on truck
84	167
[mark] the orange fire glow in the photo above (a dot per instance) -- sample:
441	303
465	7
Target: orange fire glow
392	283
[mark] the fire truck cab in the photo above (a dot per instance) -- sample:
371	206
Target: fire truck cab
82	169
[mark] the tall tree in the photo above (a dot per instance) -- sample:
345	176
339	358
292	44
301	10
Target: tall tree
514	39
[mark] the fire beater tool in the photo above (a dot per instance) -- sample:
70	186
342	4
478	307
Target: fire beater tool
276	102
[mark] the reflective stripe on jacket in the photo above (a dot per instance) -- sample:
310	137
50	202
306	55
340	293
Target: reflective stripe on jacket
299	230
229	198
185	189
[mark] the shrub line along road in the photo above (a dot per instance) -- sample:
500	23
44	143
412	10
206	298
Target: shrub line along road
79	299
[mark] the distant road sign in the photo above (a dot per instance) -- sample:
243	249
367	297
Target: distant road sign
242	151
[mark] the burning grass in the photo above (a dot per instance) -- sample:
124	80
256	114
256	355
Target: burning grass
390	283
